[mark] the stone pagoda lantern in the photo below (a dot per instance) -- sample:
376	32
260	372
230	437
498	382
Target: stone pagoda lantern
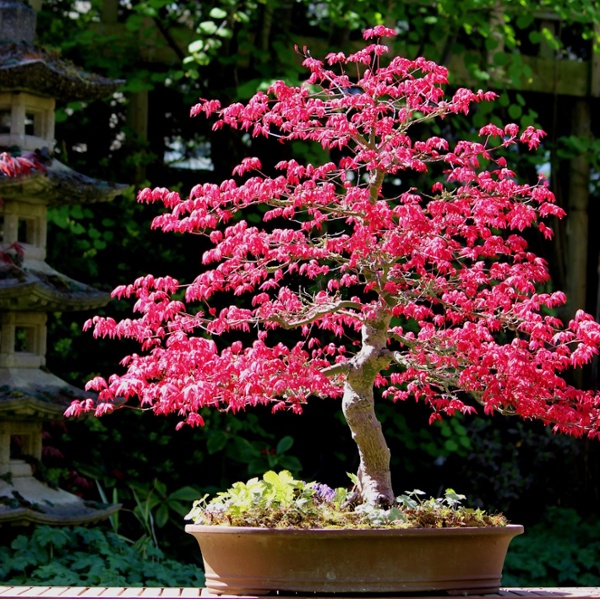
30	181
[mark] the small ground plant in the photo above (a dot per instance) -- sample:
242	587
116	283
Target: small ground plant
563	549
90	557
280	501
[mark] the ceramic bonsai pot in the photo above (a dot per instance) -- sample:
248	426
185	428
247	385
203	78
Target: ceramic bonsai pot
257	561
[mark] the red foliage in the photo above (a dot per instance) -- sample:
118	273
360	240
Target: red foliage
446	268
19	166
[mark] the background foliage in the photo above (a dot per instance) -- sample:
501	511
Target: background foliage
89	557
228	49
562	549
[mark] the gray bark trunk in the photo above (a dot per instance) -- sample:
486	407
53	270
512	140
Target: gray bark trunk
358	404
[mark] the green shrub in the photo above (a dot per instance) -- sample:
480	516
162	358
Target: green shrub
89	557
562	550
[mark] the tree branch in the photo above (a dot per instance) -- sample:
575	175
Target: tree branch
317	313
336	369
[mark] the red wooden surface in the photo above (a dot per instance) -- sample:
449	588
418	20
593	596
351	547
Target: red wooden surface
41	592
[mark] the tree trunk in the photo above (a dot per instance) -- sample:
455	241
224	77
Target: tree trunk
358	405
137	120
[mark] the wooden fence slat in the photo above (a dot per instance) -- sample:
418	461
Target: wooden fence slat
181	593
118	592
108	592
170	592
57	591
71	592
112	592
191	593
558	592
92	592
132	592
34	591
151	592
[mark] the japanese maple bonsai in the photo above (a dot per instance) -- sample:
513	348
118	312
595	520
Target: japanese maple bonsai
430	294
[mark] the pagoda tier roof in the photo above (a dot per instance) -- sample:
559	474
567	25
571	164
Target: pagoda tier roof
31	394
25	67
52	184
24	499
35	286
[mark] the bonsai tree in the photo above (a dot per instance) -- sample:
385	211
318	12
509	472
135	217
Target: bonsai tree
430	294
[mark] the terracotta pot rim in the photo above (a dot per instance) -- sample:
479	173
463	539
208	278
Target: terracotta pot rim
513	529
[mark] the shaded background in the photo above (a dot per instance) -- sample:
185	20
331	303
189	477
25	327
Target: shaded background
538	56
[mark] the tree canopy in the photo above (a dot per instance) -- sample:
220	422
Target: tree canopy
534	55
426	292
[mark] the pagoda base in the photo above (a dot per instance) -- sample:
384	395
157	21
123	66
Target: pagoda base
24	500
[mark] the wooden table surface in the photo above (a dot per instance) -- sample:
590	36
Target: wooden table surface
56	592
